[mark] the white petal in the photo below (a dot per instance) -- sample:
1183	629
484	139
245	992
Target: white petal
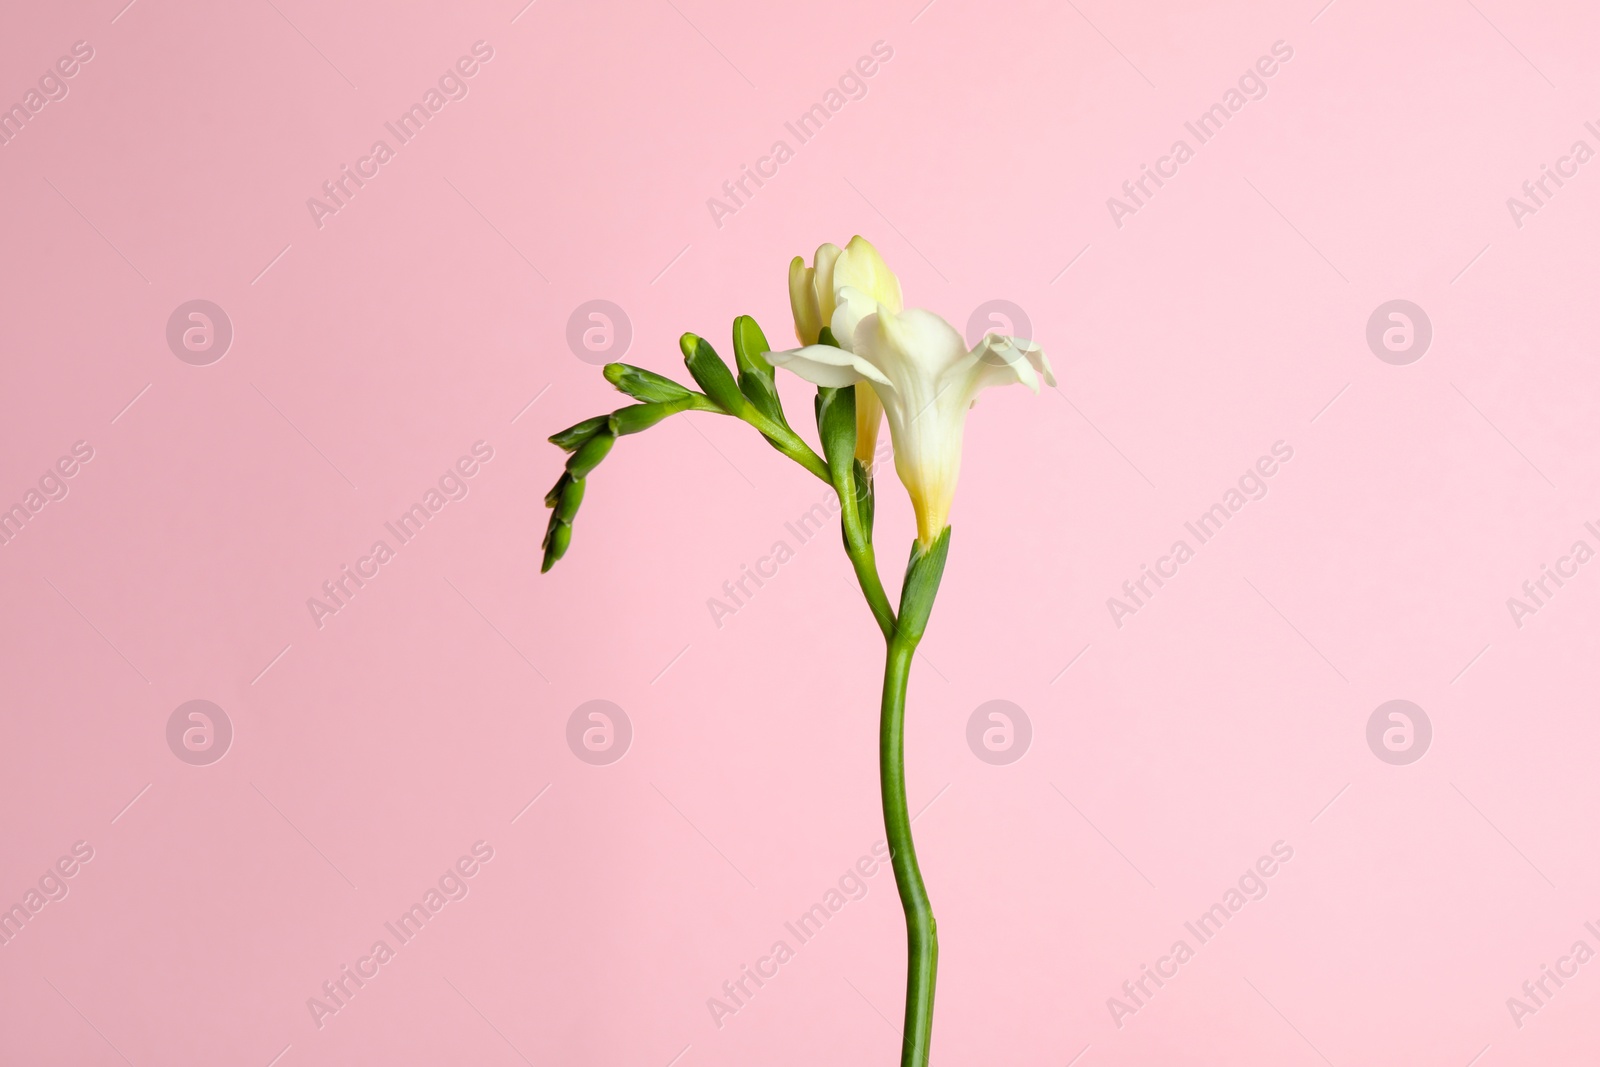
917	344
919	351
861	267
852	306
822	276
803	302
1002	360
827	366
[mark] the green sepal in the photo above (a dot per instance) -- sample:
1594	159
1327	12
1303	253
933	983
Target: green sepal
750	350
587	458
554	495
573	437
711	374
825	337
866	497
643	416
644	385
923	572
836	425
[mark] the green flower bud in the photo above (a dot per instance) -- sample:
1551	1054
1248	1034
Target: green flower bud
555	545
643	416
712	374
644	385
587	458
571	497
750	346
750	349
573	437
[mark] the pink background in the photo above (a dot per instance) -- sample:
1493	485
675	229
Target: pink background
430	313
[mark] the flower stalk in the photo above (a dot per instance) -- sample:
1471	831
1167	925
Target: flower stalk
922	932
871	359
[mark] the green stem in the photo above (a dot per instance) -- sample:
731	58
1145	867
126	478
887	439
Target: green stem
917	594
784	439
865	561
858	546
922	938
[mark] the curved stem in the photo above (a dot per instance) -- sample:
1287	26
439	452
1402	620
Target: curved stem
783	439
858	546
865	562
922	939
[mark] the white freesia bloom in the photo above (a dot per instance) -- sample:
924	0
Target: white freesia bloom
815	296
920	368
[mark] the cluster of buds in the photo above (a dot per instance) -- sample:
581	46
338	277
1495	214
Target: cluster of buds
751	396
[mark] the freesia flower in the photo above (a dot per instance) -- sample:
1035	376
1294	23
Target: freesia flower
921	370
814	297
906	363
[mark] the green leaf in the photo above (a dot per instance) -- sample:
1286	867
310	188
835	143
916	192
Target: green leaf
573	437
587	458
642	384
711	374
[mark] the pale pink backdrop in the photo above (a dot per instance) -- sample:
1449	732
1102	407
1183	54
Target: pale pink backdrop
371	352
